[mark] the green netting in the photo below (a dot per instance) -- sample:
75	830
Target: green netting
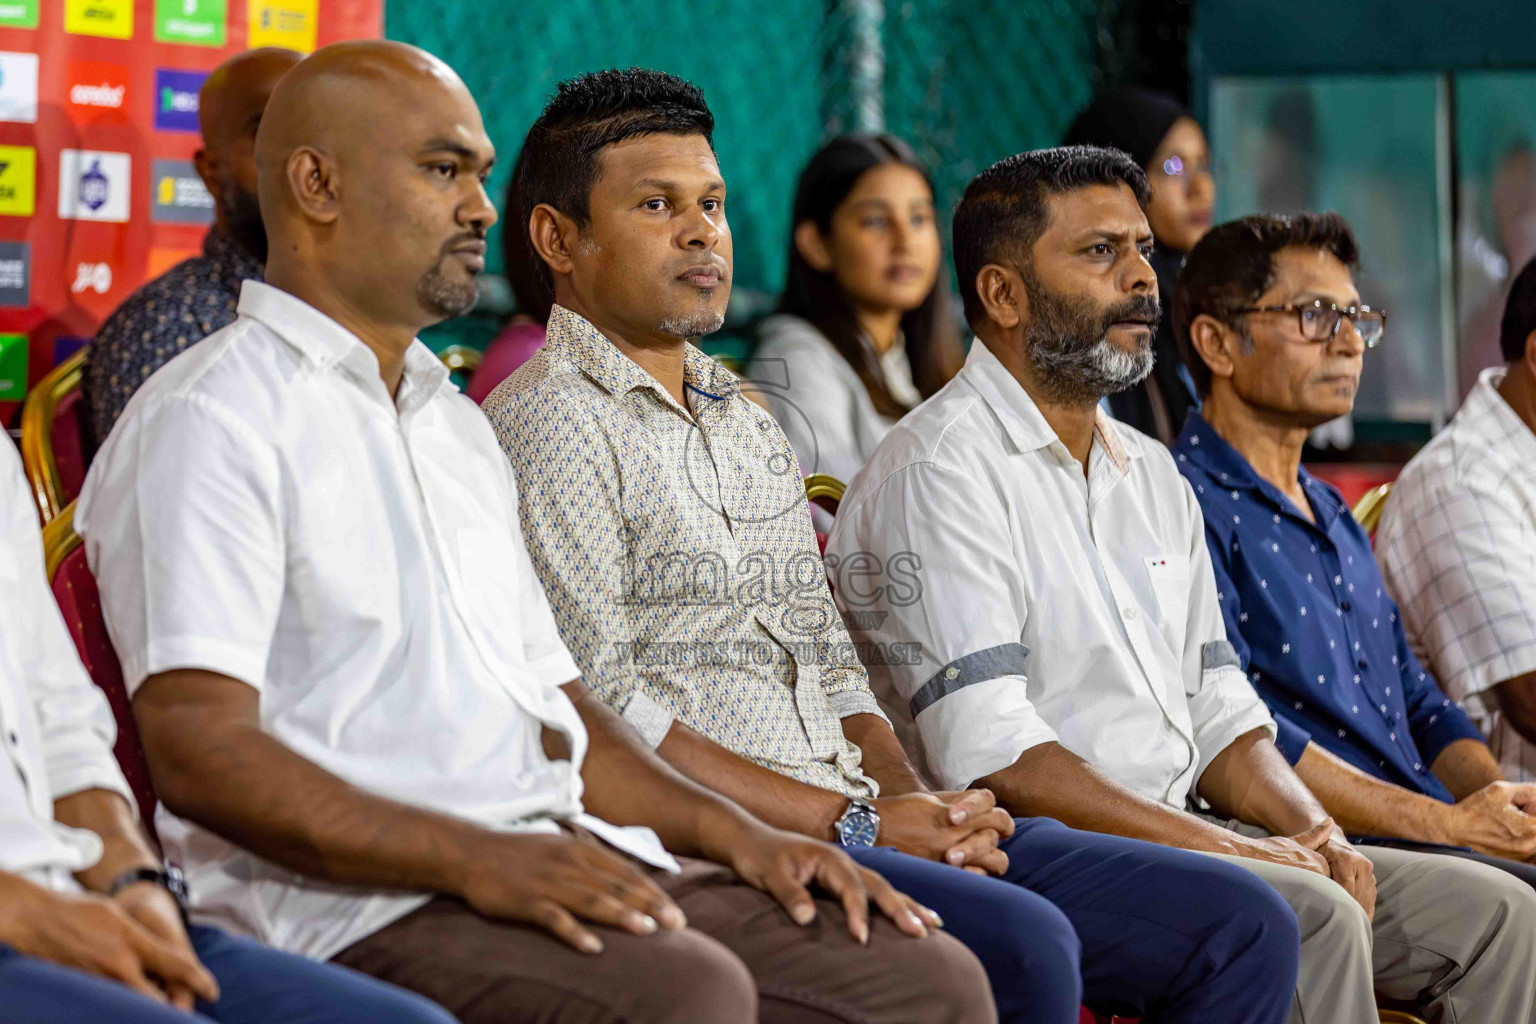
965	82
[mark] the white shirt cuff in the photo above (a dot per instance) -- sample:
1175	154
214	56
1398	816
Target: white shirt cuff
1225	708
978	730
248	664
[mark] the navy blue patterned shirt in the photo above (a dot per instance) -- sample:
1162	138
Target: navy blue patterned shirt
1311	621
156	323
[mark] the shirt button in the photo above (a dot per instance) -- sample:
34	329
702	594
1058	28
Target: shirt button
951	673
1362	664
1344	604
1129	612
12	738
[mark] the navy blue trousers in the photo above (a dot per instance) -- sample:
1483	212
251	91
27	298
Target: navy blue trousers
257	985
1124	926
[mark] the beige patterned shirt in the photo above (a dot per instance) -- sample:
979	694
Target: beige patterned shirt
677	552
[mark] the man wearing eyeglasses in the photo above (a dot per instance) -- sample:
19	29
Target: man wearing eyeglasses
1274	331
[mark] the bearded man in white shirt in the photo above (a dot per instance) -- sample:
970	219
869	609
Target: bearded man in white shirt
1074	659
371	745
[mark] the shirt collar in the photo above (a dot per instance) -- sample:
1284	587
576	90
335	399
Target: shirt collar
1021	418
231	257
575	338
325	343
1486	412
1200	445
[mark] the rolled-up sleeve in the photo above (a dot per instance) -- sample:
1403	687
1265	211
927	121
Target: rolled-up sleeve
1222	703
183	526
572	520
940	626
75	723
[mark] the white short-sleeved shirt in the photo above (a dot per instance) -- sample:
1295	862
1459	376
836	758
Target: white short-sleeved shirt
265	510
55	726
1012	602
1457	548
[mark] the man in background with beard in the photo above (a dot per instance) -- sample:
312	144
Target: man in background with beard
198	296
1074	659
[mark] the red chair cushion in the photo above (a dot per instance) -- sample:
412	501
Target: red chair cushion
69	445
75	589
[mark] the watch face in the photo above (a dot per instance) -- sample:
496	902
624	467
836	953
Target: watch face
858	828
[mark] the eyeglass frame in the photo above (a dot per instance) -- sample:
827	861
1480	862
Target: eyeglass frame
1344	311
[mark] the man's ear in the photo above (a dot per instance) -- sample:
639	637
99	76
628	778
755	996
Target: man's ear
1003	295
1216	343
554	237
314	182
1530	353
205	170
813	248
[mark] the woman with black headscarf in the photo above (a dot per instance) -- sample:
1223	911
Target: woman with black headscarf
1171	148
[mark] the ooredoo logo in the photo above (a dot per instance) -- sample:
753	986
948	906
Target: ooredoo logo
95	89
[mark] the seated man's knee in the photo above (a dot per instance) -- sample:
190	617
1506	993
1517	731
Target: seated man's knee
937	981
1259	921
690	978
1325	911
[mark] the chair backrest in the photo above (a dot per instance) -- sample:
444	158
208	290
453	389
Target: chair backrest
74	588
824	491
52	443
1367	510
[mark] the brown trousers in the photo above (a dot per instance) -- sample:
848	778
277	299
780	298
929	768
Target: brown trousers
740	960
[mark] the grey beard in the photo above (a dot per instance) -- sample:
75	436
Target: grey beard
1072	374
692	325
443	297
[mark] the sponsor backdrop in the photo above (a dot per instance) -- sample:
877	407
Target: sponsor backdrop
98	125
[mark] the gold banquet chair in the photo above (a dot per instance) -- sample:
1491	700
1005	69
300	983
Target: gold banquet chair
52	442
824	491
1368	509
461	359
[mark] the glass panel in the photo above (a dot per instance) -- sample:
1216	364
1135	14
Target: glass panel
1496	206
1366	147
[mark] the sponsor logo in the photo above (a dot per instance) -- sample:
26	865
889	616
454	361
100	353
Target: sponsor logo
18	179
286	23
197	22
18	13
18	87
92	277
15	274
176	99
96	91
110	18
179	195
94	186
13	367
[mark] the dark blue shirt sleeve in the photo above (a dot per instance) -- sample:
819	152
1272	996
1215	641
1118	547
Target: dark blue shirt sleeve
1290	738
1434	720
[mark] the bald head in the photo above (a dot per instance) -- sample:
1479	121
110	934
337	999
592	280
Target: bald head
371	162
229	110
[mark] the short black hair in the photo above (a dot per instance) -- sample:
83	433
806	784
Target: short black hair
1006	208
1234	264
558	165
1519	315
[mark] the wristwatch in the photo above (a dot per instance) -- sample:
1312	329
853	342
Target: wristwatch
168	878
859	825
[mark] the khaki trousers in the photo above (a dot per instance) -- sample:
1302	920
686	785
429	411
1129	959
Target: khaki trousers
1454	938
740	960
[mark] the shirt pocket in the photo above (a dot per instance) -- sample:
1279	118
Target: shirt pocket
1169	577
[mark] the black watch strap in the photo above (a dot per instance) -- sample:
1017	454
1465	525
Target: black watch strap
168	878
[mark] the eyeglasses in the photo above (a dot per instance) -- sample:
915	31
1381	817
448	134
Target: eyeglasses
1176	169
1319	321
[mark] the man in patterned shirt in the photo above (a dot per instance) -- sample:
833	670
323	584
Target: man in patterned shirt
664	515
1457	545
196	297
1268	310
